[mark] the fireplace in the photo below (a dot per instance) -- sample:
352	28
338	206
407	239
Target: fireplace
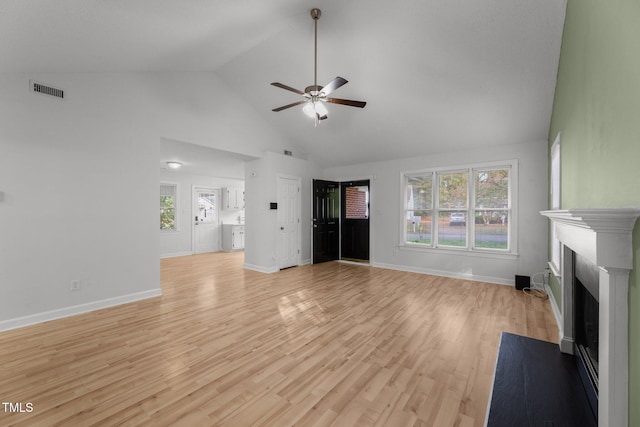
601	238
586	311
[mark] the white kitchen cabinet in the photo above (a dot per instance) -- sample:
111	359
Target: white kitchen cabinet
232	237
232	198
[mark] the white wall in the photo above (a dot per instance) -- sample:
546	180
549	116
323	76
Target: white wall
261	188
80	179
386	203
177	243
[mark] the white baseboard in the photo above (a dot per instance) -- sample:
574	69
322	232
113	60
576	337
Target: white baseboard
175	254
473	277
32	319
261	269
364	264
273	269
556	310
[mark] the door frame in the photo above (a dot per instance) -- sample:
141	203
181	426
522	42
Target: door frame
371	179
343	220
319	221
299	222
194	190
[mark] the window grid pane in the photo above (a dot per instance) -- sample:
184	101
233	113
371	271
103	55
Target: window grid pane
418	212
452	190
357	202
207	207
168	207
420	192
418	227
452	229
492	229
492	188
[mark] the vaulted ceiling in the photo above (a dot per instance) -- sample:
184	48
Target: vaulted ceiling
437	75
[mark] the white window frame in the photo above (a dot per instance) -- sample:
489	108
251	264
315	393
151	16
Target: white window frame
555	180
470	169
175	199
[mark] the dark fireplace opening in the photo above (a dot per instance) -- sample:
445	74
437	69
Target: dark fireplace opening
586	324
587	328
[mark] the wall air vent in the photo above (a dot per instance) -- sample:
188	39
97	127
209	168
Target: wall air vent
48	90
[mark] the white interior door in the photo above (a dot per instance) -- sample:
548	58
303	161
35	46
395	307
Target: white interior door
288	221
206	228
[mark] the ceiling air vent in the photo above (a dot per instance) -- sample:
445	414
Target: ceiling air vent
48	90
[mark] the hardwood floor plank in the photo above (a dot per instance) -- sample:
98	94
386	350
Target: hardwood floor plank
316	345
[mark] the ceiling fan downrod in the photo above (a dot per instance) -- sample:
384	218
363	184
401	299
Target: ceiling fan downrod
315	14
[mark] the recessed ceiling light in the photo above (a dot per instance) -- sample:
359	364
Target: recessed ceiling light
174	165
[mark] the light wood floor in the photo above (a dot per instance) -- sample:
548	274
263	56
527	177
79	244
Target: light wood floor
330	344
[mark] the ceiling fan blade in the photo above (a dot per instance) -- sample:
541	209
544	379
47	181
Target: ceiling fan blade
333	85
359	104
284	107
280	85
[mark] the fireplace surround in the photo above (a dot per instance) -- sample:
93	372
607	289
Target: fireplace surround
604	238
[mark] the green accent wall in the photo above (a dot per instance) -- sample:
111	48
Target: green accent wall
597	111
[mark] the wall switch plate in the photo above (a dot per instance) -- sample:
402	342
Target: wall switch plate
75	285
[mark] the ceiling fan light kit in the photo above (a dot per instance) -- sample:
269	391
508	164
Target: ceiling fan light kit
315	96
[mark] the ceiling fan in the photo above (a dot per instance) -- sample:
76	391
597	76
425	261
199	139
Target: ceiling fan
315	96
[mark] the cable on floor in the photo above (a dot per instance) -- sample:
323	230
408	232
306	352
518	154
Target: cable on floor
537	289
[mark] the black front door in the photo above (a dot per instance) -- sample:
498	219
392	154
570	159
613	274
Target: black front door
326	221
355	220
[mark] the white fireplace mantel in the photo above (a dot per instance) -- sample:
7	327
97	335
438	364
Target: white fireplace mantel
604	237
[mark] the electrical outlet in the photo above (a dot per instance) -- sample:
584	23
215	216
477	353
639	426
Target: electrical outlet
75	285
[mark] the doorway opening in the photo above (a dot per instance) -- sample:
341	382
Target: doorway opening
341	212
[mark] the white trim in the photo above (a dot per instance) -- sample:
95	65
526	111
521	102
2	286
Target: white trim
604	236
46	316
555	186
260	269
346	261
442	273
556	196
555	270
556	310
486	253
175	254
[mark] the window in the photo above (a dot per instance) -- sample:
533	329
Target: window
555	202
452	202
168	219
207	207
467	208
357	202
419	210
